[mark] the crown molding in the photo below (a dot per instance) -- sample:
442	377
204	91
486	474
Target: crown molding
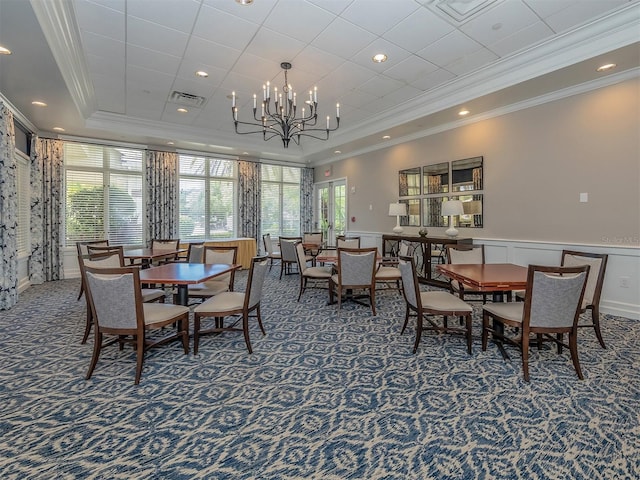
58	22
17	115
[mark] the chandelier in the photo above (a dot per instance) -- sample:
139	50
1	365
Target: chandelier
279	119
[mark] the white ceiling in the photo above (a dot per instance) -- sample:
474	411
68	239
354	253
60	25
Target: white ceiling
107	68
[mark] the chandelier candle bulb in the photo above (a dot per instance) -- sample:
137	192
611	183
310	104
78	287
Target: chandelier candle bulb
279	119
233	99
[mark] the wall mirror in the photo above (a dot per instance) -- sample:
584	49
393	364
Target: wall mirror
410	182
431	212
435	178
472	206
466	174
413	210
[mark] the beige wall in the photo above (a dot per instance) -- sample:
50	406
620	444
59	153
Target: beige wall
537	161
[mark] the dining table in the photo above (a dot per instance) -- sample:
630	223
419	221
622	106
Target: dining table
495	278
148	255
184	274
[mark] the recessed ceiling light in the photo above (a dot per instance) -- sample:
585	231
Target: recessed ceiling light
463	112
58	129
245	153
386	137
38	103
183	110
170	143
4	51
337	152
244	2
379	58
202	74
605	67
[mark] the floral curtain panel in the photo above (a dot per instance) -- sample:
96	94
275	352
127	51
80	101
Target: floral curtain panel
249	217
162	195
47	170
306	200
8	212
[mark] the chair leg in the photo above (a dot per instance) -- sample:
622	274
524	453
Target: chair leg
81	291
139	357
87	326
303	285
372	299
469	335
259	317
196	332
525	357
573	347
595	315
97	346
245	329
485	330
559	338
418	331
406	320
539	341
184	333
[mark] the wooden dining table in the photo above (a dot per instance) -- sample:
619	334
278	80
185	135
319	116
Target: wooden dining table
148	255
496	278
184	274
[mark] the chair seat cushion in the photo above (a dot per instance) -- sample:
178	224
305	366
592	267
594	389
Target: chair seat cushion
318	272
443	301
511	311
388	273
151	294
223	302
161	312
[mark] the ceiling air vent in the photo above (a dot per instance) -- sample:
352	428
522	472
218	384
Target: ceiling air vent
186	99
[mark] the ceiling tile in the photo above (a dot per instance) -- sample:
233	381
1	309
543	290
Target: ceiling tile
280	19
394	55
343	39
471	61
316	61
433	79
175	14
272	45
418	30
211	53
526	37
410	69
449	48
151	60
100	20
579	13
398	96
333	6
104	47
220	27
379	85
155	37
257	12
378	16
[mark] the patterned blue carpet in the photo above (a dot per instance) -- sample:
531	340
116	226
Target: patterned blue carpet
322	397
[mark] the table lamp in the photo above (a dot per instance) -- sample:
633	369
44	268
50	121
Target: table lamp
451	209
397	210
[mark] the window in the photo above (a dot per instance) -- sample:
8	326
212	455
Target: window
24	206
207	197
280	200
103	194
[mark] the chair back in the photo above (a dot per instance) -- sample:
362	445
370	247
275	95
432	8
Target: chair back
112	257
357	266
165	244
195	254
598	264
553	297
268	243
465	254
288	249
82	246
313	237
410	287
255	281
403	249
301	257
93	250
347	242
219	254
115	297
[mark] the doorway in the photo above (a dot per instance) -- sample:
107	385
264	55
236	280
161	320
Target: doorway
331	209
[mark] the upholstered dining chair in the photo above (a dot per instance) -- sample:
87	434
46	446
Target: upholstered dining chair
355	271
347	242
388	272
81	247
423	304
115	297
109	257
223	283
272	253
233	303
288	254
195	253
166	244
315	238
552	305
318	276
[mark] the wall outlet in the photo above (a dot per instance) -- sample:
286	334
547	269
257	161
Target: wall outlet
624	282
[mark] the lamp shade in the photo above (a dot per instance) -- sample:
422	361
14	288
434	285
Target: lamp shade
452	207
397	209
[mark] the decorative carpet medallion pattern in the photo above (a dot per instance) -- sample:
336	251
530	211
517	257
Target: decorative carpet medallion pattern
324	396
